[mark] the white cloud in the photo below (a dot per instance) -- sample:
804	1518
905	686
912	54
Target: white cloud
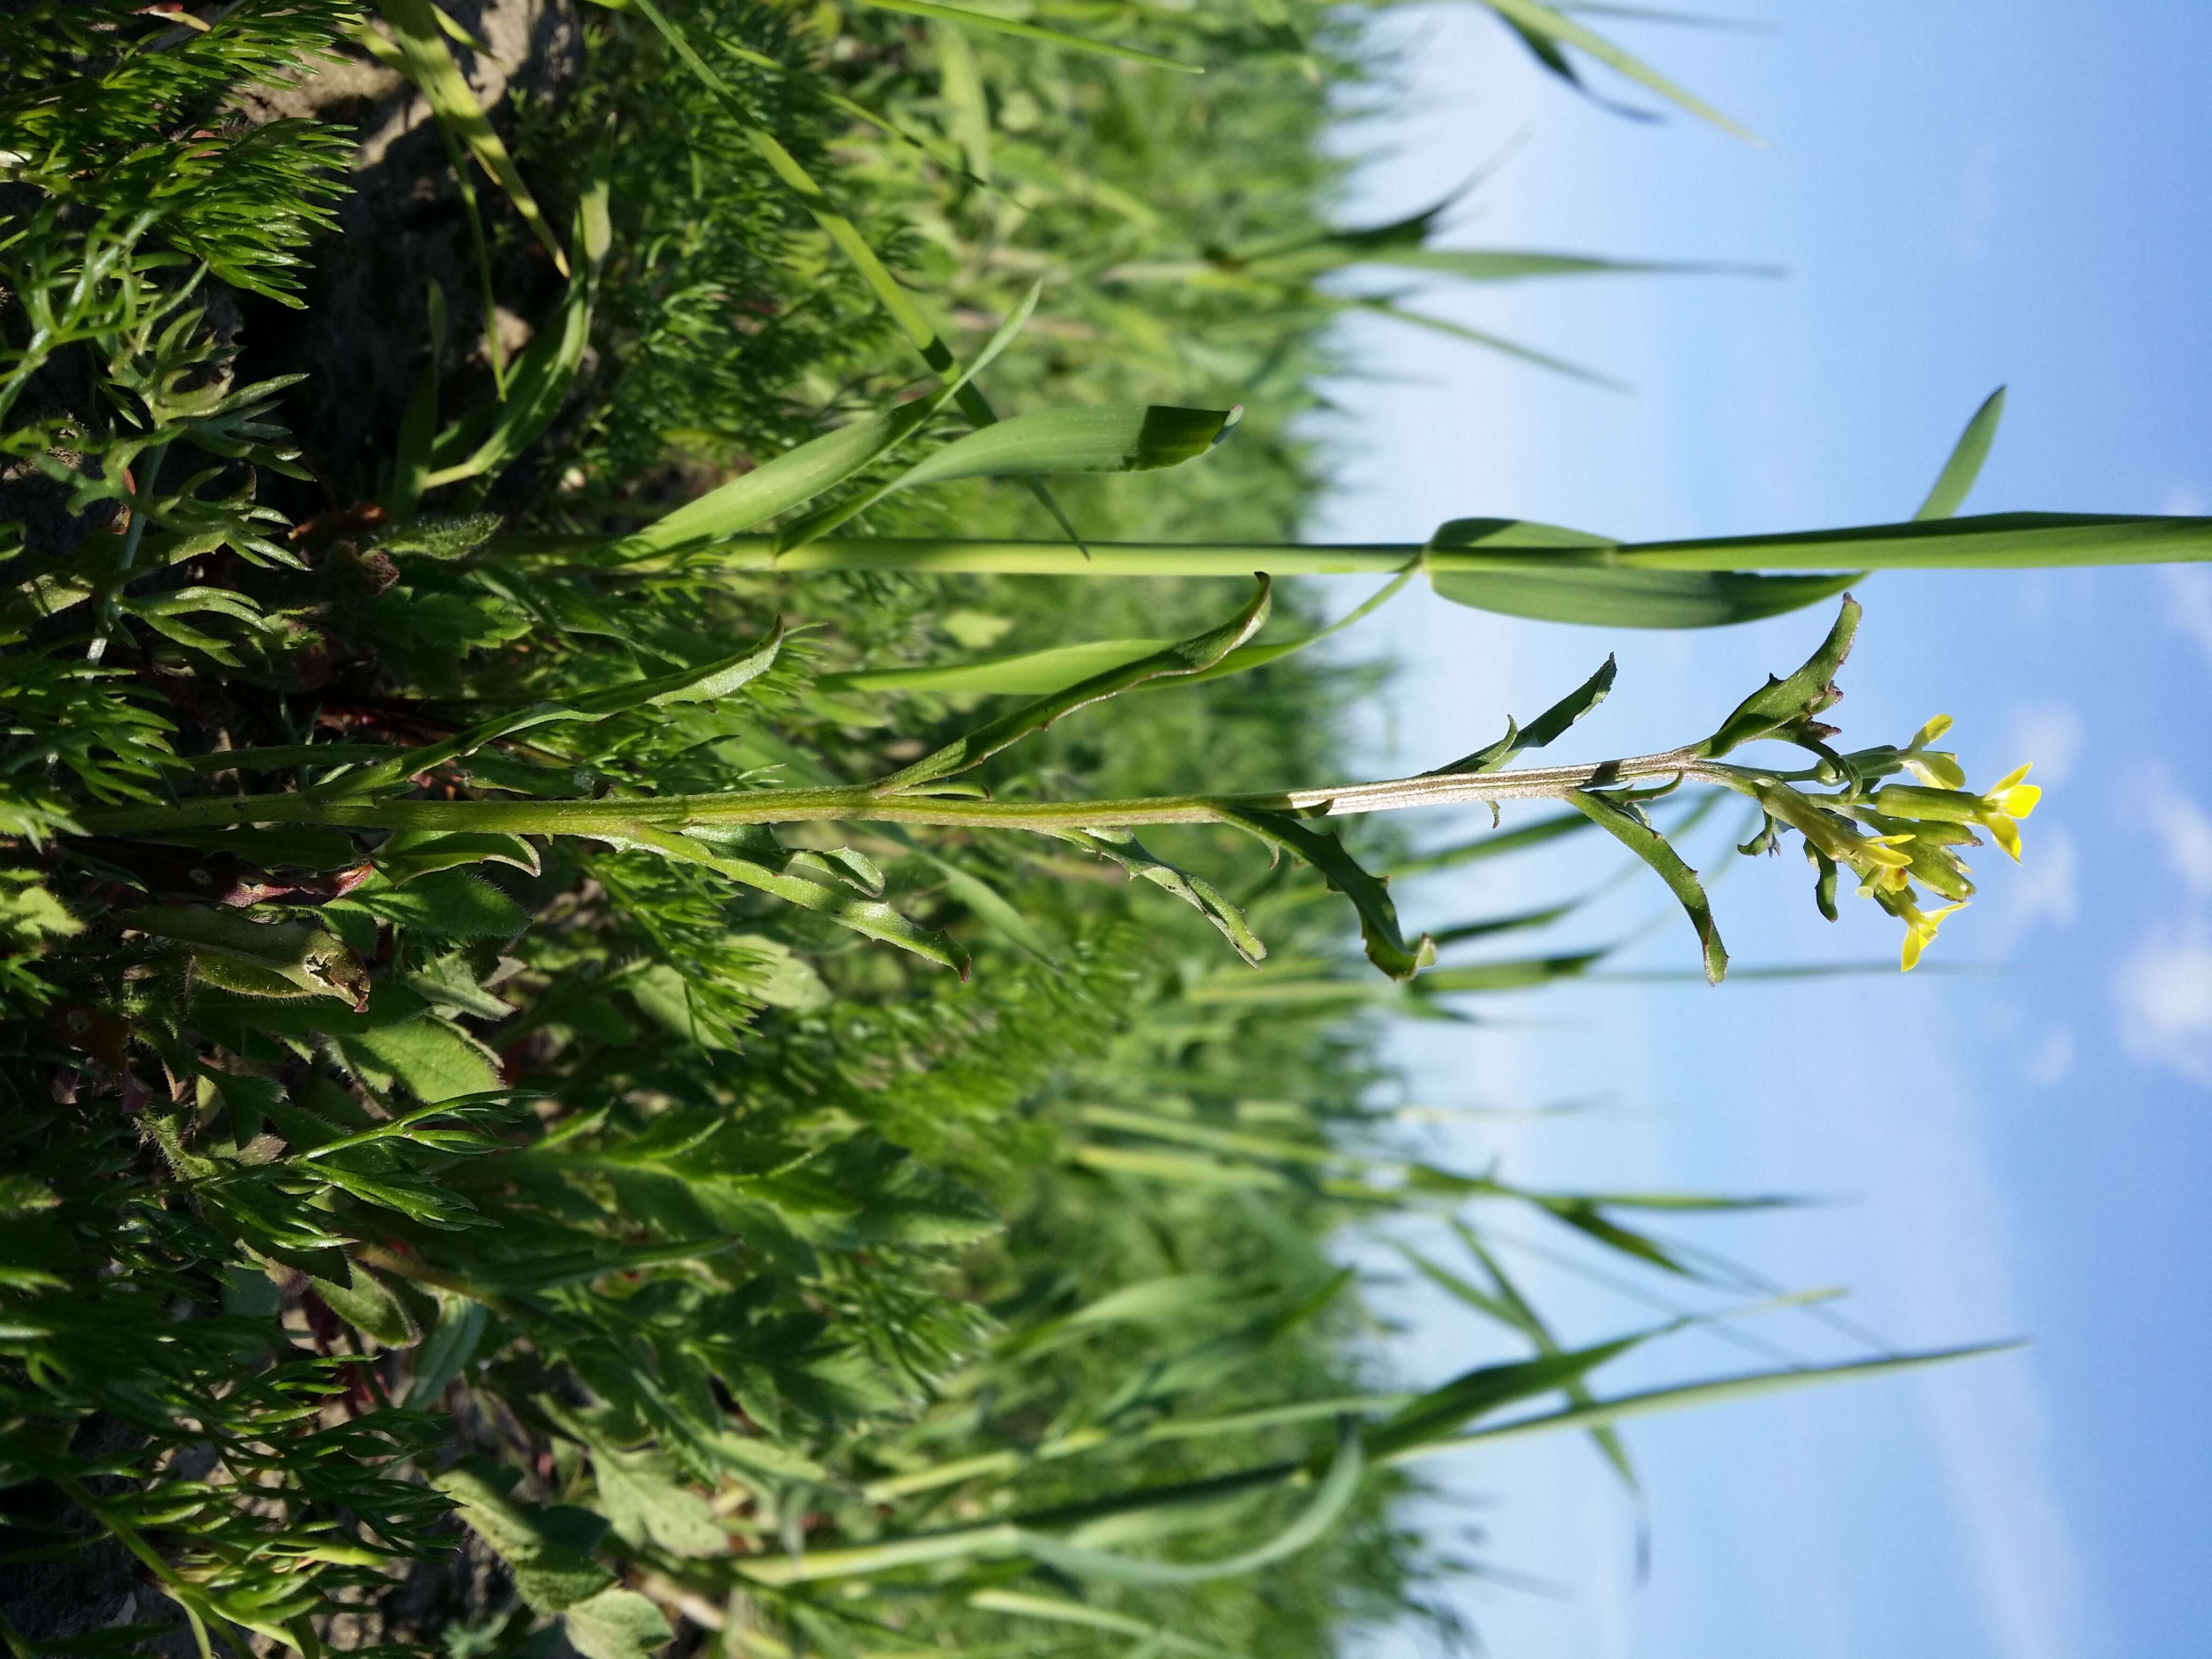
2185	830
2164	993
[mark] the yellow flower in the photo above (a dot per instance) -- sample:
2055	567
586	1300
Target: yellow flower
1920	927
1933	767
2010	800
1999	810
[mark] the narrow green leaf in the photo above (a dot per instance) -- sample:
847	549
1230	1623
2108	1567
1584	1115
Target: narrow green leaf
1551	723
1535	21
1783	705
423	57
1648	844
1322	849
1104	438
541	377
1185	657
1439	1415
1965	463
1332	1497
1720	1388
1121	846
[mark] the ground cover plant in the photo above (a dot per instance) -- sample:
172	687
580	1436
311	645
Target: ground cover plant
593	1055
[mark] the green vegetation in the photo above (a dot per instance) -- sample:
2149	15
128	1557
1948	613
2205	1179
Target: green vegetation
585	1059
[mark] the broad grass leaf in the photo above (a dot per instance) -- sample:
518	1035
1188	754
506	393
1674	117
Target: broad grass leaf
1103	438
1748	1386
1441	1413
1552	574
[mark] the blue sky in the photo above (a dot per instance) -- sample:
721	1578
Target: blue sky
1963	196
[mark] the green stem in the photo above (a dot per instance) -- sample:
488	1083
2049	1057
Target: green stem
2009	541
625	819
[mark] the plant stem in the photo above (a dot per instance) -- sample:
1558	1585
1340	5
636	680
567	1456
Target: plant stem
872	803
2009	541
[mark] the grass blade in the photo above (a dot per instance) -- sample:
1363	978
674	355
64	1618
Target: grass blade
1535	22
418	50
1201	651
1965	463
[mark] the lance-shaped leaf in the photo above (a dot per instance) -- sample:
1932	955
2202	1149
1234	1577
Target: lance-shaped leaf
1783	707
1035	673
1370	895
1745	1387
1103	438
1121	846
1551	723
706	683
1445	1410
1965	464
1554	575
418	50
1332	1496
1504	1302
1653	849
1191	656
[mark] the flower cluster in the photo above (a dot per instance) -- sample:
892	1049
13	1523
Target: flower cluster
1893	835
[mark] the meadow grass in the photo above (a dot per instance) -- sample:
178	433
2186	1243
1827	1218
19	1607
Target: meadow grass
592	1054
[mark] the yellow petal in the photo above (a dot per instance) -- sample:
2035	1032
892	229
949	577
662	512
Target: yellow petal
1887	857
1913	945
1936	727
2011	778
2019	803
2007	832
